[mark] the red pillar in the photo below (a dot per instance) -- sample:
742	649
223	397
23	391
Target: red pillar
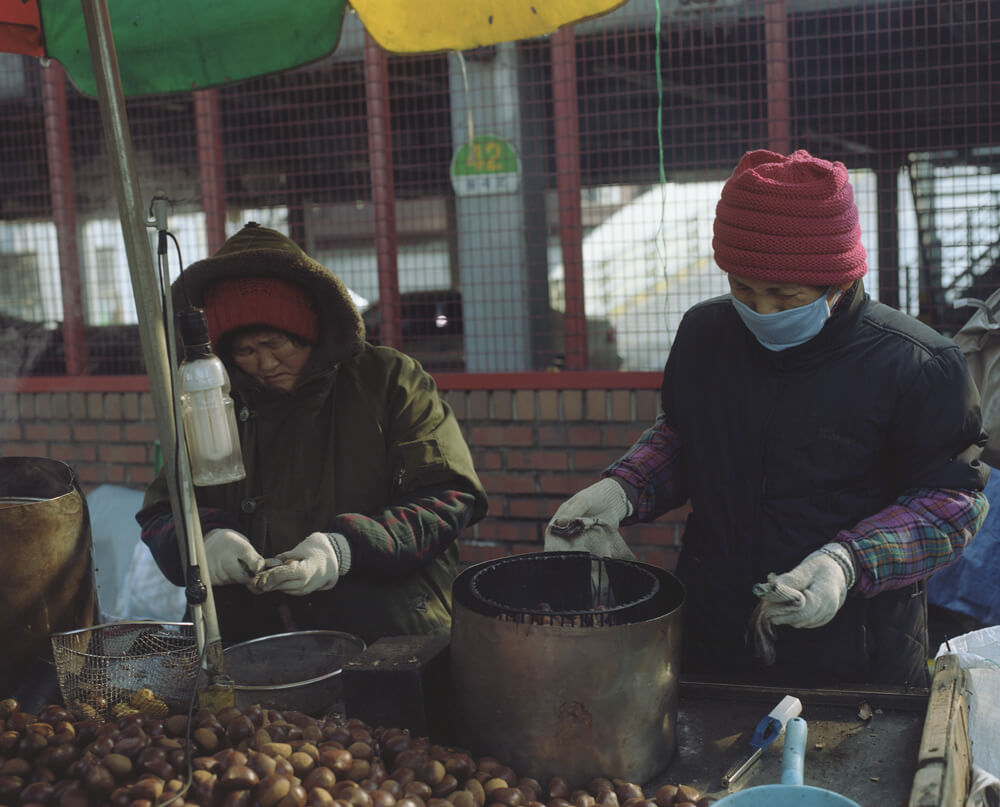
779	116
567	146
383	192
210	168
57	147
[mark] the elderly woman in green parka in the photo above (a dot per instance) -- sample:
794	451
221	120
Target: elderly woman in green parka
358	476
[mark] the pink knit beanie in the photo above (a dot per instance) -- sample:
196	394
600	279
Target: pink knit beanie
790	220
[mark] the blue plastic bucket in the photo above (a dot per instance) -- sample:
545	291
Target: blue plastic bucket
791	792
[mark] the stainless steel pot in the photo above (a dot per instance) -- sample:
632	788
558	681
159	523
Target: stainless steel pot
299	670
47	581
566	699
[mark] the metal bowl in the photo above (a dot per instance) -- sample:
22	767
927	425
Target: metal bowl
292	671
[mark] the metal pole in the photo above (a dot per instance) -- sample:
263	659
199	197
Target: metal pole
150	310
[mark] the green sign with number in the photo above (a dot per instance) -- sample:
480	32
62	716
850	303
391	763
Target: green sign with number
487	165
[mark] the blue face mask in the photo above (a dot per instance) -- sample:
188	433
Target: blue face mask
785	329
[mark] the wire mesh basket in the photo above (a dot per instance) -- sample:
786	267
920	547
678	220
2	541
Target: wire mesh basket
121	668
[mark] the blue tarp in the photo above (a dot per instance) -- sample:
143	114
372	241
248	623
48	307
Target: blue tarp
971	585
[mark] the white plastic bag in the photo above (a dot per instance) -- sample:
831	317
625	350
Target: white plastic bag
979	340
978	654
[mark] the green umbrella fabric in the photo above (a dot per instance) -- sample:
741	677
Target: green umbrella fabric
180	45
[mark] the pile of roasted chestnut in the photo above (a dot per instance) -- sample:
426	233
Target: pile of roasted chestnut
261	757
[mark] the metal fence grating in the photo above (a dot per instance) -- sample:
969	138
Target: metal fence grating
544	204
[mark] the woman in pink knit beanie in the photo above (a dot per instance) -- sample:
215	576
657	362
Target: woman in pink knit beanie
827	445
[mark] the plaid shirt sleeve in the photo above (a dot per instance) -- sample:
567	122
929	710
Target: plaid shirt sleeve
160	535
652	468
922	531
407	534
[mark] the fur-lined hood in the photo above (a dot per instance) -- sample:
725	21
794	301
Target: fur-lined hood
257	251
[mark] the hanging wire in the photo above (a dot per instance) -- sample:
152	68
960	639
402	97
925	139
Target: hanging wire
468	97
658	237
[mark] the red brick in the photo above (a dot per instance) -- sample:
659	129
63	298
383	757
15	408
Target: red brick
597	404
491	460
548	435
115	473
548	404
478	405
141	433
572	404
18	448
524	404
78	405
557	460
621	405
517	460
43	405
85	433
537	460
10	431
95	405
647	405
565	484
113	406
479	553
654	534
120	453
587	460
130	406
60	405
532	507
622	436
503	404
664	558
109	432
507	482
140	474
74	452
499	436
90	473
497	529
584	436
46	431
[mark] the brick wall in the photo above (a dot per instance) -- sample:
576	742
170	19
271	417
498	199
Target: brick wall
532	447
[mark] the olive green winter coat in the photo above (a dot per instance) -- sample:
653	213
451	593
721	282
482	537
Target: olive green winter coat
364	446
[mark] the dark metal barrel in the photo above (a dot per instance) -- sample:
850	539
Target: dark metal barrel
567	665
47	580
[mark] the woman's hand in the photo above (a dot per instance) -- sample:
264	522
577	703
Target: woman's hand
315	564
588	522
808	596
231	558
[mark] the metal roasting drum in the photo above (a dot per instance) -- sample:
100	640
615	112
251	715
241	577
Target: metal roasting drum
568	665
47	580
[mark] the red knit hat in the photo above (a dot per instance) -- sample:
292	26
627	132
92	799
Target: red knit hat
240	301
789	219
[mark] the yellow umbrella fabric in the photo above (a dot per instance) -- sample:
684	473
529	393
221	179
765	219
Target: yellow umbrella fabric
405	26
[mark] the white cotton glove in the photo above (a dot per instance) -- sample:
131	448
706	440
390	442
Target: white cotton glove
231	558
806	597
314	564
588	522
